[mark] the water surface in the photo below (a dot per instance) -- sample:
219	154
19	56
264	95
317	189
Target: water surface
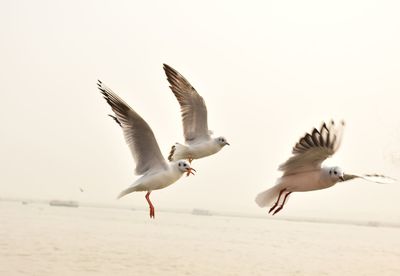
38	239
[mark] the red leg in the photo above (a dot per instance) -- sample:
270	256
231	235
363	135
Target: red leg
277	201
283	203
150	205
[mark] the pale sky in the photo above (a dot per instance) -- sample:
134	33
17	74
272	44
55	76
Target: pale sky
268	70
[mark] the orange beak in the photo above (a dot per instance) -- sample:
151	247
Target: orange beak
190	171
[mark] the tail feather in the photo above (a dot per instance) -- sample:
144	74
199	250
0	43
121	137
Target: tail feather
127	191
267	197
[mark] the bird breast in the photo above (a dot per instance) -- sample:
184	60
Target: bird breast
204	149
161	179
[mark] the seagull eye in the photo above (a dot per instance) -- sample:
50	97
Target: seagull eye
335	172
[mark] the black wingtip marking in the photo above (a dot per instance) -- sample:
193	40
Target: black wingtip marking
323	137
115	119
171	153
315	137
309	140
167	67
100	87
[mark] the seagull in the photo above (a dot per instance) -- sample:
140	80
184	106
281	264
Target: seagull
303	172
156	172
198	140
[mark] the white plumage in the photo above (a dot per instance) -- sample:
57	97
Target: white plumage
156	172
303	172
198	140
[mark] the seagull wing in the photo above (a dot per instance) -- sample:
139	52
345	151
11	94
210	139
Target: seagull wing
193	107
138	134
377	178
313	148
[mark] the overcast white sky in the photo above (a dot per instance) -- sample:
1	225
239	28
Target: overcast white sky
268	70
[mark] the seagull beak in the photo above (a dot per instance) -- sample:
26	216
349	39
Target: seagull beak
341	178
189	171
226	143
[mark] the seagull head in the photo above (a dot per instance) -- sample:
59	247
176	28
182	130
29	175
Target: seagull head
336	174
222	141
185	167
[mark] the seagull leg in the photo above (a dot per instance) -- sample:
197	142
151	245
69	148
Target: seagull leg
150	204
277	201
283	203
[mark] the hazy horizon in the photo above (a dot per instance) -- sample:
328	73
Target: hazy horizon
44	240
269	71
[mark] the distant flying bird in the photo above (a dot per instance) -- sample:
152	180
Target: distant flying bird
157	173
303	172
198	140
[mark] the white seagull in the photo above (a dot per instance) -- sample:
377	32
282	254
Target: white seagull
198	140
303	172
157	173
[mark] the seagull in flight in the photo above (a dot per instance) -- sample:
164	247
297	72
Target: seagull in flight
303	172
198	140
156	172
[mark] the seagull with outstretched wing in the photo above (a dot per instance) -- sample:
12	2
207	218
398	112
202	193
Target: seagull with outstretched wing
198	140
156	172
303	172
